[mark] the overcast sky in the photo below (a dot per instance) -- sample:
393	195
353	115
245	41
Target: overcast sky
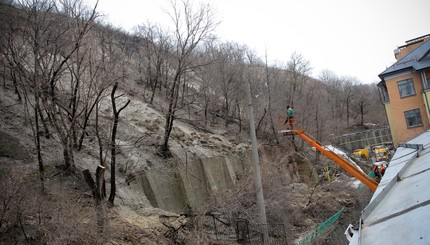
349	37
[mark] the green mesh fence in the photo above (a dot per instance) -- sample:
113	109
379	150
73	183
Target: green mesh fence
317	233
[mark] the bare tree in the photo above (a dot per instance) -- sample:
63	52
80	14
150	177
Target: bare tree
348	93
225	74
343	93
156	47
40	44
113	144
375	106
255	73
209	79
54	31
6	2
278	91
298	75
98	78
333	85
191	29
229	65
106	68
269	105
364	101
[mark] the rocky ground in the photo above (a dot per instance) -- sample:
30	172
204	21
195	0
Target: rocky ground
65	212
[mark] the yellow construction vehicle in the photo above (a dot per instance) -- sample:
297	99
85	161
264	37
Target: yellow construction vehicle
344	164
381	153
363	153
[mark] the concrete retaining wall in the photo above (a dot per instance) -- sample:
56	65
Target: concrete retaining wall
351	142
191	184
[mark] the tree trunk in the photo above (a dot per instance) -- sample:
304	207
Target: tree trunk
272	122
95	187
317	153
239	115
87	118
4	77
14	81
113	145
261	120
45	125
170	115
113	159
68	153
206	109
99	140
226	110
347	112
38	148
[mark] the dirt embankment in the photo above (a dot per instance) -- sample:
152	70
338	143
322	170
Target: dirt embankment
296	193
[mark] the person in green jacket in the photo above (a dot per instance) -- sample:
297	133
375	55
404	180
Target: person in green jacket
290	117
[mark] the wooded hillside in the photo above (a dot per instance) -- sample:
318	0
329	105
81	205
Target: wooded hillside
73	77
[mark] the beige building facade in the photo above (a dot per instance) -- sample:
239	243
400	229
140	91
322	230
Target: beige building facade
405	90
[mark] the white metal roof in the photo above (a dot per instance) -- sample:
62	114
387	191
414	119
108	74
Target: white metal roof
399	211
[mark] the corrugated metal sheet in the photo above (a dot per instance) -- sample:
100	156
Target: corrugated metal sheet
399	211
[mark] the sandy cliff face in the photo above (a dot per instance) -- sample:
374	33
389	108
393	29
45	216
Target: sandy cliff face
203	161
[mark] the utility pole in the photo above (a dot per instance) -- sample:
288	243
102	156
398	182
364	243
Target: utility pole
256	160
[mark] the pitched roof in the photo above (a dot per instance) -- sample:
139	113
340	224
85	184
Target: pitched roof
418	59
399	211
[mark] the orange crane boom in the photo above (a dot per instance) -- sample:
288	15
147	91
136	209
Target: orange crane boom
345	165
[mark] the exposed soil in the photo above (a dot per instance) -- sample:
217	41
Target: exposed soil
297	194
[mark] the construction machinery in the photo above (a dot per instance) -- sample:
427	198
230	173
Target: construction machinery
361	153
381	153
341	162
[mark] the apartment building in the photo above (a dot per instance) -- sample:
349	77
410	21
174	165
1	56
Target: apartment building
405	90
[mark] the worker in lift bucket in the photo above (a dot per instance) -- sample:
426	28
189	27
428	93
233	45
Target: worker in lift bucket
290	117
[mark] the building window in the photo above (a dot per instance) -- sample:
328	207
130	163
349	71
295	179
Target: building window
413	118
406	87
